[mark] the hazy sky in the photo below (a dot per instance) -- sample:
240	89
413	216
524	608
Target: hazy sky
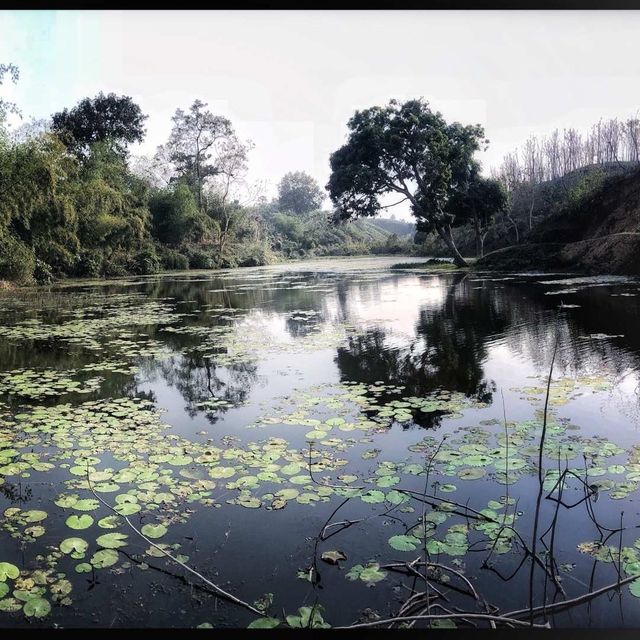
290	80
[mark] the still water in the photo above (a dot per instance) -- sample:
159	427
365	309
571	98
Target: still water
250	421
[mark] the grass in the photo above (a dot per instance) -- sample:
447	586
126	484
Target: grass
431	264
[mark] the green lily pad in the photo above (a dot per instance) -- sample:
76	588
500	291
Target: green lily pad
104	558
10	605
154	530
36	608
84	567
264	623
634	587
404	543
471	473
77	522
34	515
74	545
112	540
372	497
88	504
109	522
8	570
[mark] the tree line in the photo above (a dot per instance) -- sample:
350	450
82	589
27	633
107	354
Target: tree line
74	202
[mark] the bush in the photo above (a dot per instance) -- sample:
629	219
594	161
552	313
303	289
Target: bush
88	264
42	273
144	262
172	260
199	259
255	254
115	265
17	261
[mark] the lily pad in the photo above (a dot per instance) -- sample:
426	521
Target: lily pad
154	530
78	522
37	608
8	570
104	558
112	540
264	623
333	557
74	545
404	543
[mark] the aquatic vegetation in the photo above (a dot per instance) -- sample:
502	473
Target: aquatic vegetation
38	384
408	463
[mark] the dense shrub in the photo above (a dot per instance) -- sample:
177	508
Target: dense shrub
88	264
199	259
144	262
17	261
171	259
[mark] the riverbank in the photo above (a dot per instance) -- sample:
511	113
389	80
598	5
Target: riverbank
357	262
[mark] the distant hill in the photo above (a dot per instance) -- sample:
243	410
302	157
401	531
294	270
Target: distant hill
544	200
597	231
399	227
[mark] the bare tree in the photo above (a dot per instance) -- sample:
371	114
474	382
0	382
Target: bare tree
198	145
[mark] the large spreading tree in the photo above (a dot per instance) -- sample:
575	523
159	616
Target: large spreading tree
110	119
409	150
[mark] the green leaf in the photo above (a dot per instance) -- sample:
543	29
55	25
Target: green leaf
79	522
88	504
34	515
71	545
154	530
109	522
305	620
404	543
264	623
84	567
112	540
634	587
372	497
8	570
104	558
37	607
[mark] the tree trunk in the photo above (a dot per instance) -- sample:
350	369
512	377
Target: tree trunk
533	198
515	226
482	237
445	234
476	225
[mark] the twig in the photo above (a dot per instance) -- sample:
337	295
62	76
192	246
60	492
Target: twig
453	616
214	586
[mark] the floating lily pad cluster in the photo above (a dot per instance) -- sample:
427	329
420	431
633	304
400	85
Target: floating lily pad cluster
358	406
32	384
565	389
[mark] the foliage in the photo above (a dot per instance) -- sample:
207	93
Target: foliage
7	107
390	149
72	205
298	192
112	119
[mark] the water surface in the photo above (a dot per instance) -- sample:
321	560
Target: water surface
235	411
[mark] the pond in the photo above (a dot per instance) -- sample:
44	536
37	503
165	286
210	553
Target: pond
328	439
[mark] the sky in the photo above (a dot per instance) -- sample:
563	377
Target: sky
290	80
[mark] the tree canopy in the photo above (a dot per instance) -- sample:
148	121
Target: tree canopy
113	119
299	193
409	150
198	145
